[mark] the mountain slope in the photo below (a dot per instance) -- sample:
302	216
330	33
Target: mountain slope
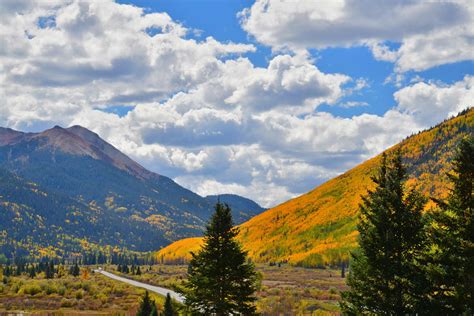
115	200
320	226
65	189
243	209
42	222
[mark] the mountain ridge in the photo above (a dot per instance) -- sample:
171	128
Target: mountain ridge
319	227
73	175
243	208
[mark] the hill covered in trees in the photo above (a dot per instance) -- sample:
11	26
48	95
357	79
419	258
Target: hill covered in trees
67	190
319	227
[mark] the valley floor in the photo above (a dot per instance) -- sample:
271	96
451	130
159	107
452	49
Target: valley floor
285	290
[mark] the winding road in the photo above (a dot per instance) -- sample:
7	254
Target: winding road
156	289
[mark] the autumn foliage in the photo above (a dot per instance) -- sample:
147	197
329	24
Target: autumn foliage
319	227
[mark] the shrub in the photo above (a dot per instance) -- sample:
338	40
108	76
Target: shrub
50	288
61	290
31	289
67	302
79	294
102	297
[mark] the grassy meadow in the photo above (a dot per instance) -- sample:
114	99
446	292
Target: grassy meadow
88	294
285	290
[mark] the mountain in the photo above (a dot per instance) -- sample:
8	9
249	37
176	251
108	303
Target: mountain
66	189
319	227
243	209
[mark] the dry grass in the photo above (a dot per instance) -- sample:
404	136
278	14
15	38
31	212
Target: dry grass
285	290
67	295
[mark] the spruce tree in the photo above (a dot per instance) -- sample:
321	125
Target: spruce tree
384	277
450	263
169	311
146	305
154	311
221	281
77	271
32	271
49	272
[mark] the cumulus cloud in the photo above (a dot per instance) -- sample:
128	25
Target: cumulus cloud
199	111
288	80
431	102
430	33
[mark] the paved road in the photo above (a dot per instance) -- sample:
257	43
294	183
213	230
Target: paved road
156	289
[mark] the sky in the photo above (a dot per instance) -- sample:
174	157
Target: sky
265	99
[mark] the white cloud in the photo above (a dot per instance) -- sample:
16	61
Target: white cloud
200	112
351	104
430	103
288	81
431	33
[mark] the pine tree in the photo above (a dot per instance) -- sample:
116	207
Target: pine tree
154	311
74	270
221	281
146	305
32	271
49	272
450	263
384	274
169	311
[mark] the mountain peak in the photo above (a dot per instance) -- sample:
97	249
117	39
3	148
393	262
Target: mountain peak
8	135
116	157
77	141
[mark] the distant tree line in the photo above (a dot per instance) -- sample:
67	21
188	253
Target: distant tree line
88	258
31	269
412	262
123	268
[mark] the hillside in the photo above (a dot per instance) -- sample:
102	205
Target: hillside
243	209
320	226
66	189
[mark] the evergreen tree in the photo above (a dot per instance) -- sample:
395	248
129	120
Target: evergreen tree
146	305
154	311
169	311
384	278
450	263
32	271
74	270
220	279
49	272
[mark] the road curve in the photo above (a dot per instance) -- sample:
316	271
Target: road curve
159	290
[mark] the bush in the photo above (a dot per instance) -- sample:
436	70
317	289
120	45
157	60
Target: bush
67	302
79	294
61	290
86	286
102	297
50	288
31	289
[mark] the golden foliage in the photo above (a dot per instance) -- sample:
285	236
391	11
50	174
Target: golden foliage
319	227
180	251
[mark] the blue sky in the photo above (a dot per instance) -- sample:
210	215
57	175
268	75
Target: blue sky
265	99
219	19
